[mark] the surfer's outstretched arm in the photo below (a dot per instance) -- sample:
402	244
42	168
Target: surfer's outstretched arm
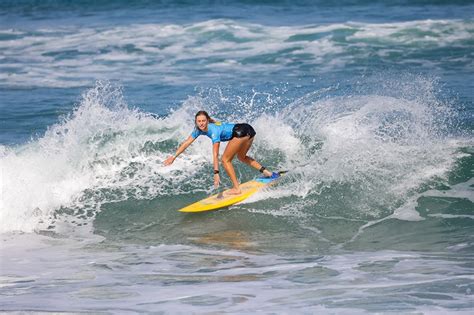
180	150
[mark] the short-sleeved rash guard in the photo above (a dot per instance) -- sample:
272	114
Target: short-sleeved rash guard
216	131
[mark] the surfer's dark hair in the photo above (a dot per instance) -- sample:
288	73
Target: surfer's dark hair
203	113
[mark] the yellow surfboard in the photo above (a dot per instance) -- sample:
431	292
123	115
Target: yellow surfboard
222	199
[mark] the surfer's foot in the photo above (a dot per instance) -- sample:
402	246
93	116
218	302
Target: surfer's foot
271	175
267	173
275	175
234	191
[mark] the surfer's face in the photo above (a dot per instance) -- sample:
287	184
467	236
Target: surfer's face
202	122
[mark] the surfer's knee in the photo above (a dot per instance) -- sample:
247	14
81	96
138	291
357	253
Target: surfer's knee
225	160
245	158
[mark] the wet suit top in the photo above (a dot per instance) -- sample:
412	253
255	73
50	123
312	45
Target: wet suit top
216	131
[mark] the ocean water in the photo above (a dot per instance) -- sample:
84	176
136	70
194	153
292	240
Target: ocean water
369	105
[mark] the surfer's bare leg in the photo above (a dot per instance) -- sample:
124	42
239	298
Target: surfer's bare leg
233	147
243	157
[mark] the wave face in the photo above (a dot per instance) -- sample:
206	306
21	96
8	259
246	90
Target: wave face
360	156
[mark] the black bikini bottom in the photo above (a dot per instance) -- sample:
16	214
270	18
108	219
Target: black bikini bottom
243	130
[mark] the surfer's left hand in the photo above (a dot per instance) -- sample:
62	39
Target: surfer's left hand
169	161
216	180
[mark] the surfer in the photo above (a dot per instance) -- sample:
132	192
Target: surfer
240	137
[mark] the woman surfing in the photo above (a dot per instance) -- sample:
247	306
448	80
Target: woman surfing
240	138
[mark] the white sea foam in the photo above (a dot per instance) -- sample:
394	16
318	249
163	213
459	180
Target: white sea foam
463	190
424	32
47	57
233	280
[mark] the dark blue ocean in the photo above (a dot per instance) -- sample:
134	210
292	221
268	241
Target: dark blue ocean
368	104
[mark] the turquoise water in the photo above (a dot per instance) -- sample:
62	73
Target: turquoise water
369	105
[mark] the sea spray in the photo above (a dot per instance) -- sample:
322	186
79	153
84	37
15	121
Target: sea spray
361	152
102	152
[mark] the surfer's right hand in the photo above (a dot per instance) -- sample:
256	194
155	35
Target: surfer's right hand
216	180
169	161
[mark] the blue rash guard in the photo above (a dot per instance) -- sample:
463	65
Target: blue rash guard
216	131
